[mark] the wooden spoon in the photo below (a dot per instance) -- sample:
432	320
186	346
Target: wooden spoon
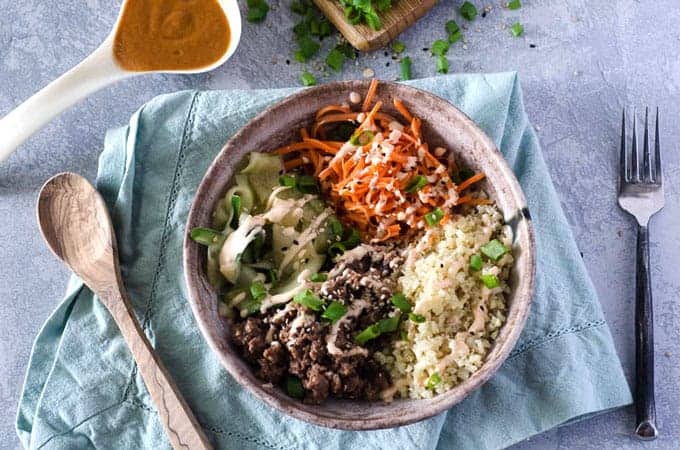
75	223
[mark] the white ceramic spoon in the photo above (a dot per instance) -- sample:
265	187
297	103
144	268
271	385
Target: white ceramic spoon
93	73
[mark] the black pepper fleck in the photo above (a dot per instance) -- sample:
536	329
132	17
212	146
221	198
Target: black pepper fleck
288	61
532	45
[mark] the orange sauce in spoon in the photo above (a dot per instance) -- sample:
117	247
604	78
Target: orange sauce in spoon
170	35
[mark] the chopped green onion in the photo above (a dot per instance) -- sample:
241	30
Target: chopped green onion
294	387
309	299
334	311
517	29
383	5
433	381
314	27
307	184
468	11
362	138
494	249
439	47
398	46
417	318
434	216
236	206
307	79
489	280
318	278
324	29
442	64
455	37
250	306
405	66
287	180
390	324
307	47
347	50
257	10
514	4
476	262
335	59
335	226
452	27
371	332
403	335
205	236
272	276
416	183
301	29
336	249
257	290
298	7
353	239
399	300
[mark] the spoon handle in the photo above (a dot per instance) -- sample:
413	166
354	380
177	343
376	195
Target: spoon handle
93	73
180	424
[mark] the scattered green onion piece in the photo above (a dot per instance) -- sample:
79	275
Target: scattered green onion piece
434	216
287	180
442	64
371	332
439	47
362	138
334	225
347	50
318	278
417	318
298	7
494	249
416	183
455	37
236	206
307	79
489	280
517	29
307	184
314	27
476	262
405	66
324	29
257	290
353	239
398	46
307	47
294	387
336	249
399	300
309	299
514	4
334	311
452	27
301	29
403	335
433	381
372	20
257	10
390	324
205	236
250	305
273	277
468	11
383	5
335	59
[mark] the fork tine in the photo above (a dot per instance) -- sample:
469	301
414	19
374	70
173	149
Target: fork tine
623	158
634	169
657	174
646	175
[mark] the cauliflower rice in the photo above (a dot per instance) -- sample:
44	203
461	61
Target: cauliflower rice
462	315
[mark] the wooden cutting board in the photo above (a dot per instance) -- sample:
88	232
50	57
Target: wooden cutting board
403	14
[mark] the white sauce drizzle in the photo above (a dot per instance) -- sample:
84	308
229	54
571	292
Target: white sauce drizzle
332	336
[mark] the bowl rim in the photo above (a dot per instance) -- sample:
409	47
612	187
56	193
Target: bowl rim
436	404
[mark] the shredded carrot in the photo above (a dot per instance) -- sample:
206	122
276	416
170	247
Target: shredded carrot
402	110
370	94
470	181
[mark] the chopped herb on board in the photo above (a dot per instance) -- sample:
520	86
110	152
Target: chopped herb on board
398	46
442	64
468	11
440	47
257	10
335	59
307	80
405	67
514	4
517	29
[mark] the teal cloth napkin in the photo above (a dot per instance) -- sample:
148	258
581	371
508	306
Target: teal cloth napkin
82	389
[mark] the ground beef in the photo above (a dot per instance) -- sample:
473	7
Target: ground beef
292	340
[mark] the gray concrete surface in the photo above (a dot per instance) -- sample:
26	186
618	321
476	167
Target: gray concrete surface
589	61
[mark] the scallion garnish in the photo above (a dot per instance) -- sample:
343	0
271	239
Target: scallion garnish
257	290
439	47
514	4
390	324
517	29
287	180
417	318
476	262
205	236
236	206
257	10
433	381
298	7
434	216
336	249
318	278
399	300
455	37
468	11
494	249
362	138
489	280
334	311
416	183
452	27
309	299
370	332
335	59
250	306
442	64
405	66
307	184
334	226
398	46
353	239
294	387
307	79
307	47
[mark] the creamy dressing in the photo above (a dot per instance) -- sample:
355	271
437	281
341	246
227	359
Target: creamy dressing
249	227
271	300
332	336
306	237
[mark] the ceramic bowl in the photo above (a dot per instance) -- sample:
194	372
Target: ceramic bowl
443	124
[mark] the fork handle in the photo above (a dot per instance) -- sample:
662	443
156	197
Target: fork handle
644	342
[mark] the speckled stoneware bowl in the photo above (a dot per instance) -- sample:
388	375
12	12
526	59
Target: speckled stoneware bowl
443	124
